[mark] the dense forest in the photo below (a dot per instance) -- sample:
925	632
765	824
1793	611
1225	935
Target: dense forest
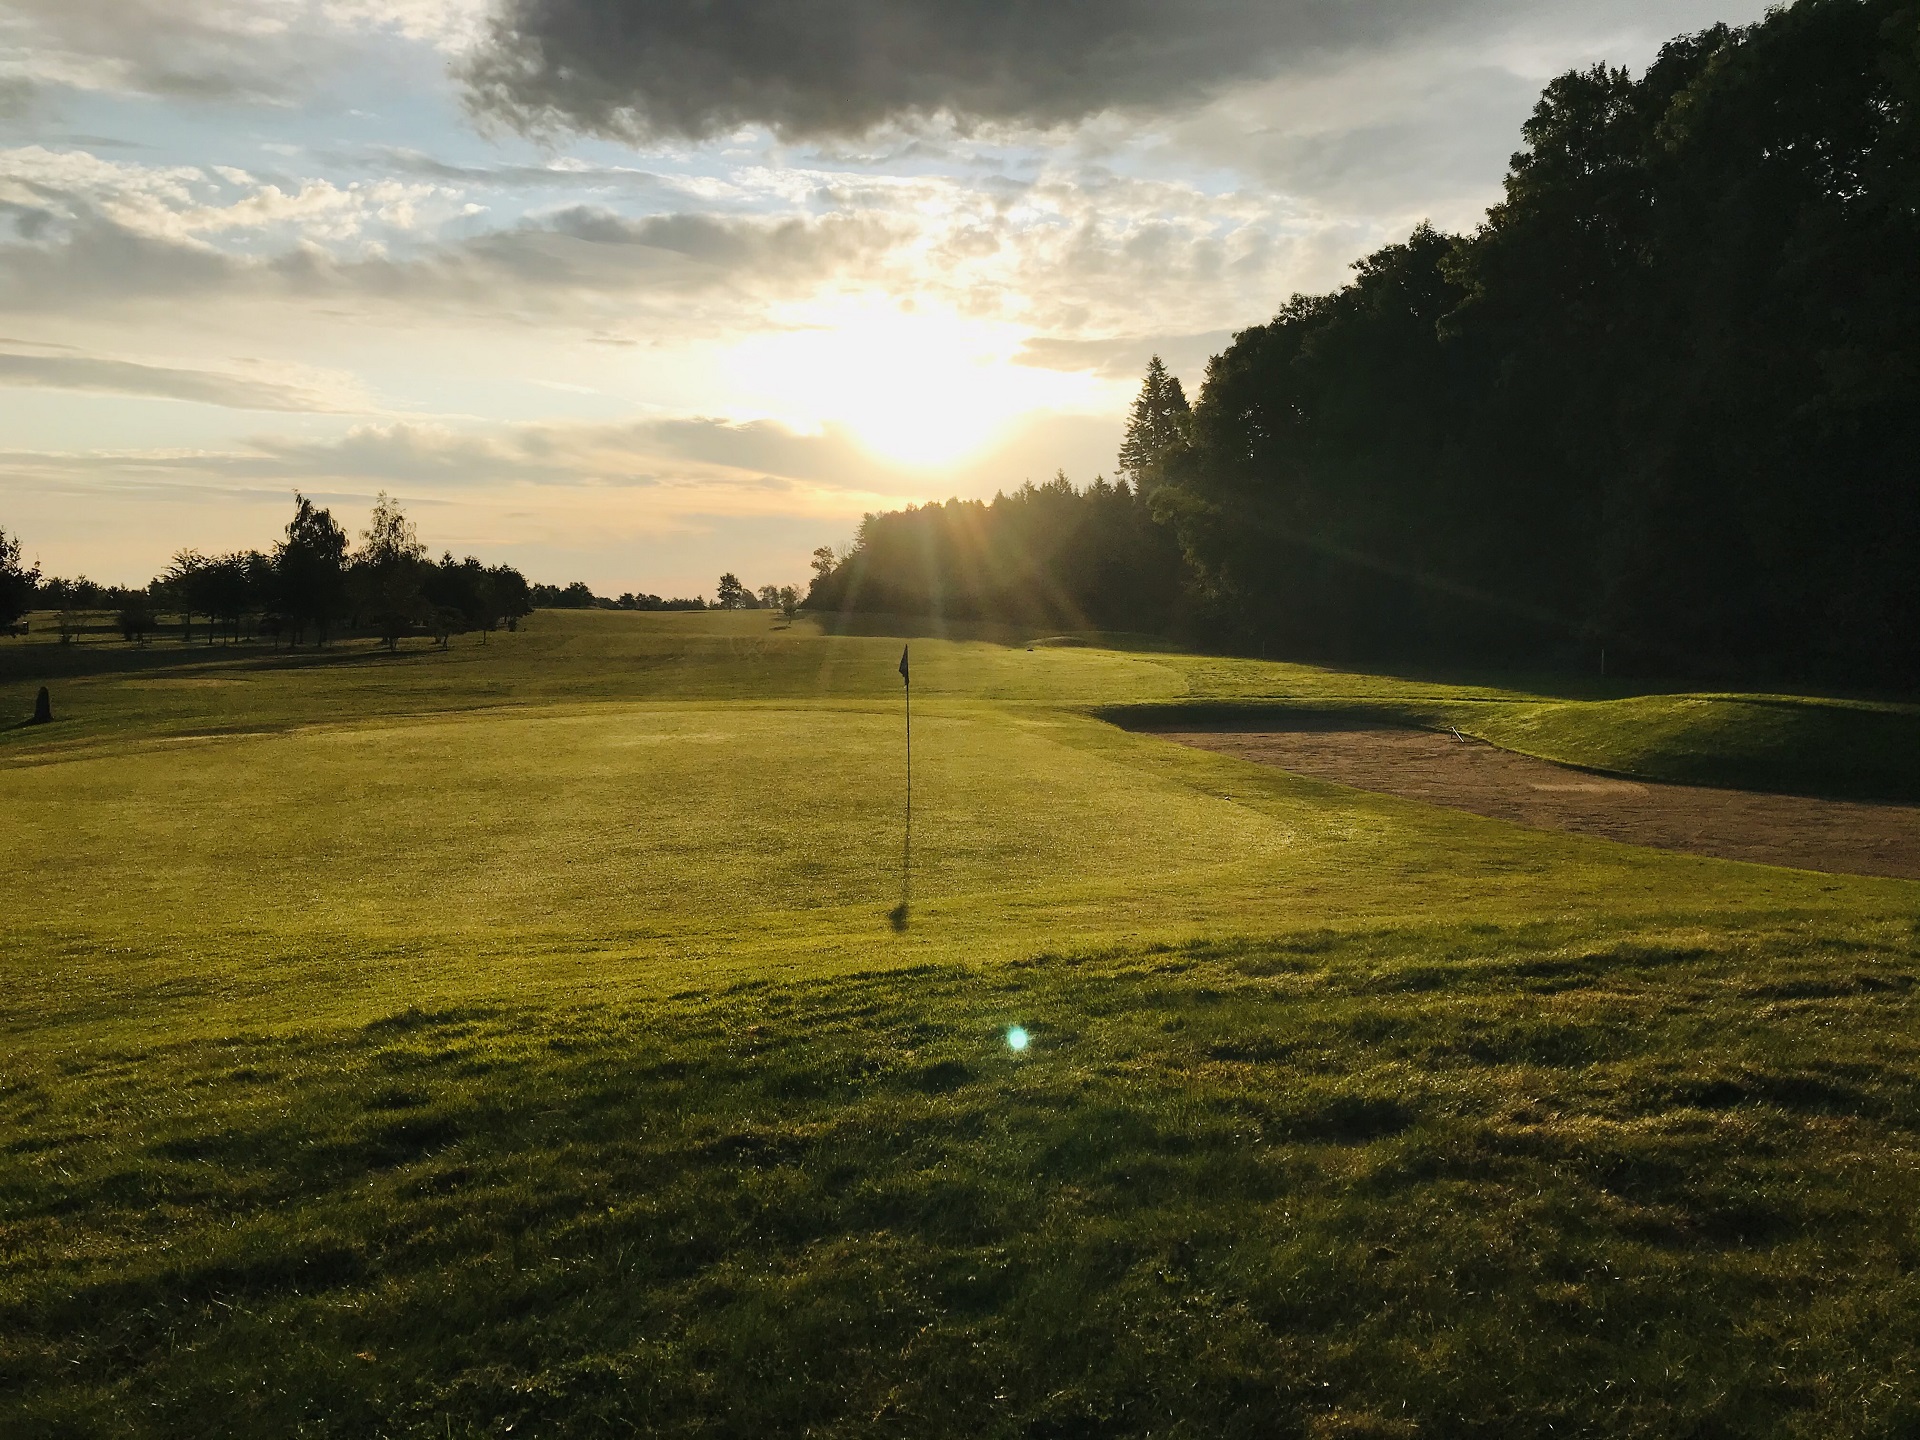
1663	403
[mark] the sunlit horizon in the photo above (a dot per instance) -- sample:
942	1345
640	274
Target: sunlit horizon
286	247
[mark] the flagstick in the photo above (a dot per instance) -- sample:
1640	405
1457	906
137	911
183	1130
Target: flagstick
898	915
906	861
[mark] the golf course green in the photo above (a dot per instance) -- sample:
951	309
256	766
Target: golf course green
514	1037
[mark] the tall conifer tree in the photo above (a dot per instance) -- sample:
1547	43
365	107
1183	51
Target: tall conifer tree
1157	427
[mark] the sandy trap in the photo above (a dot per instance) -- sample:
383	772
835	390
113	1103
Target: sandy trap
1846	836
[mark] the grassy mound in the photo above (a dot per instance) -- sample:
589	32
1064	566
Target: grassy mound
1445	1182
1752	742
1787	744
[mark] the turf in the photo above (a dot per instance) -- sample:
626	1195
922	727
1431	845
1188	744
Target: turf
514	1035
1816	746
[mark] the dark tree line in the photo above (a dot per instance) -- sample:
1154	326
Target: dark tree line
732	594
1665	400
1663	403
19	582
1049	555
579	596
315	584
312	585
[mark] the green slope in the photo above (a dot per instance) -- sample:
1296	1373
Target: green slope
1758	742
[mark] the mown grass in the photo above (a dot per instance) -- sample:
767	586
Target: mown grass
1458	1181
361	831
515	1036
1805	744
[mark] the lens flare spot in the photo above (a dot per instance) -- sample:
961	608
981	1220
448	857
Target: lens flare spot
1016	1039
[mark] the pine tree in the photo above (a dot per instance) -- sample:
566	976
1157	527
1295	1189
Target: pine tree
1157	428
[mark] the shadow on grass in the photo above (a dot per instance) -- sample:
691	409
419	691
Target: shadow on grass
1265	715
1240	1183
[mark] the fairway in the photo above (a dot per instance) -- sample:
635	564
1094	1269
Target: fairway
707	796
409	1044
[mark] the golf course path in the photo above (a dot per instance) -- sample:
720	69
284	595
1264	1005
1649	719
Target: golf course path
1852	837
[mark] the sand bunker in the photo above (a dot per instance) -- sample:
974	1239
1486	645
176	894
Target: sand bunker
1850	837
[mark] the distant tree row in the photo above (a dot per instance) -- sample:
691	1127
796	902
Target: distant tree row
312	584
579	596
730	594
1049	555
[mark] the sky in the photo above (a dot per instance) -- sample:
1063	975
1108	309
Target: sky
637	291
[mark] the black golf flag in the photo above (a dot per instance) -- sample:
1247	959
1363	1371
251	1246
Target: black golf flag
903	666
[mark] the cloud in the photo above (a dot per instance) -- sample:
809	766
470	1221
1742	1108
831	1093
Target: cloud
87	233
844	67
1124	357
248	50
558	174
71	371
699	460
681	464
43	189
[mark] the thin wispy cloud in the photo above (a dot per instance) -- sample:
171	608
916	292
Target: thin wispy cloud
165	382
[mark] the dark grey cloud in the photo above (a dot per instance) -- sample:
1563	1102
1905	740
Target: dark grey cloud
642	68
73	371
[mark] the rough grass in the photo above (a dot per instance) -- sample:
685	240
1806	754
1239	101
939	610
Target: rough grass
516	1036
1442	1182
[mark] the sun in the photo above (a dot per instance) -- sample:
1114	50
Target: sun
917	384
